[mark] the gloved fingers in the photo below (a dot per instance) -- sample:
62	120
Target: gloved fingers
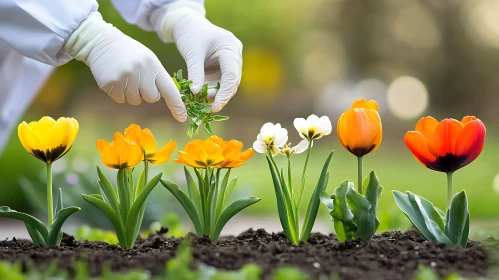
195	69
147	87
115	91
231	69
170	93
132	95
212	90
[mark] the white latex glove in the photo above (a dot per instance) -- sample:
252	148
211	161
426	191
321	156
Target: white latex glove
212	54
124	68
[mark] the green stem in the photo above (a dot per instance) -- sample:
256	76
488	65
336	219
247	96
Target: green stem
302	186
50	205
273	161
449	189
359	174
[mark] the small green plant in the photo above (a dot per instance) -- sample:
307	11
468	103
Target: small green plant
197	105
48	140
272	140
125	205
207	202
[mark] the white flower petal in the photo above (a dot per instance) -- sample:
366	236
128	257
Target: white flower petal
301	147
260	147
268	129
301	126
281	138
312	120
260	137
324	127
275	151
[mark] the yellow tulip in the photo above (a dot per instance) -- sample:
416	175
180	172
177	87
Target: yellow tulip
121	153
231	151
201	154
359	128
48	139
145	139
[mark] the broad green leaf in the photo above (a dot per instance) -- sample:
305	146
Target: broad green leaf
124	194
229	212
429	217
36	224
187	204
414	215
35	235
327	201
59	204
111	215
56	227
313	204
108	192
220	118
221	192
140	217
290	206
343	217
140	183
457	220
194	194
230	189
133	216
281	205
213	202
365	221
368	222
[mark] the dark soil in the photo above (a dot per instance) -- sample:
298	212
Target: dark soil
391	255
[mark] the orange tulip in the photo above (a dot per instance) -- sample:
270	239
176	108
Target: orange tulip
359	128
201	154
145	139
448	145
231	151
121	153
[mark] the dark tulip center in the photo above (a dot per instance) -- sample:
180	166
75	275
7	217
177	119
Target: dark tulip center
448	163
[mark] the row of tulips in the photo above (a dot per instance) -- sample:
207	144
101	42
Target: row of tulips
443	146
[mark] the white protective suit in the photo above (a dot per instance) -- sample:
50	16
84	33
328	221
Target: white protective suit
33	37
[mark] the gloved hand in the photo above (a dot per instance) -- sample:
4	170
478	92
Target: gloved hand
124	68
212	54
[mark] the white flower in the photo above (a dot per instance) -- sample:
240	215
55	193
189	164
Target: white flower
298	149
313	127
272	137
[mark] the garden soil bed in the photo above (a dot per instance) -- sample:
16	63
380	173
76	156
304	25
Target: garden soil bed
391	255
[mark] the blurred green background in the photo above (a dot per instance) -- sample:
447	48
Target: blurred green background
414	57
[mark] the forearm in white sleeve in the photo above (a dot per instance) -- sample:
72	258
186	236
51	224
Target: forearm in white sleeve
148	14
37	29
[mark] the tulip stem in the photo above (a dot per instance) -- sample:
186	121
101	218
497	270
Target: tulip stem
50	205
359	175
449	189
303	177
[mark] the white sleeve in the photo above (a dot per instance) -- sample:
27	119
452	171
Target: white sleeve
37	29
147	14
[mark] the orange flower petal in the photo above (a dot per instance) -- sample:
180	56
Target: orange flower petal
162	155
468	119
363	103
471	140
420	147
445	136
360	130
426	126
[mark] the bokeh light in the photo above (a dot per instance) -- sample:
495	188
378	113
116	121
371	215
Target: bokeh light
407	97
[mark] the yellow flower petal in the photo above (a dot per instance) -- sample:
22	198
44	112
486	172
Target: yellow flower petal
162	155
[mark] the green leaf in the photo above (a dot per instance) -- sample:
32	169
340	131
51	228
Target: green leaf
281	206
111	215
187	204
457	221
140	183
35	235
56	227
36	224
290	206
343	218
419	213
134	219
313	204
194	194
207	128
229	190
221	192
206	108
220	118
179	75
108	192
327	201
213	201
229	212
365	215
124	194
